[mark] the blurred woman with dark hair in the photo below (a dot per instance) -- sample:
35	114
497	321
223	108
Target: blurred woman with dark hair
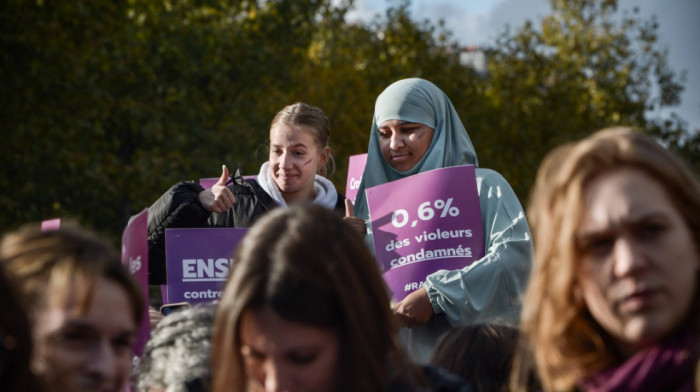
306	309
15	341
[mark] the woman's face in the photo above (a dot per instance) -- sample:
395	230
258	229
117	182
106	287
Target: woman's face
281	355
403	143
86	352
294	160
639	261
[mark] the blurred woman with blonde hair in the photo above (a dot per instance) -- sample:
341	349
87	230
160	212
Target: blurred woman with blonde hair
84	306
613	298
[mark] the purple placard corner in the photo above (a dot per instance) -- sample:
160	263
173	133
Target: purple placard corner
51	224
356	167
135	258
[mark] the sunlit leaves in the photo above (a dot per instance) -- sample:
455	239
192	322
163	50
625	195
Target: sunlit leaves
584	68
105	104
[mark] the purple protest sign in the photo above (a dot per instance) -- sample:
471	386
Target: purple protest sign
356	166
198	262
51	224
424	223
135	257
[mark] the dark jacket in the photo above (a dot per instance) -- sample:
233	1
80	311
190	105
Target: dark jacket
434	379
180	207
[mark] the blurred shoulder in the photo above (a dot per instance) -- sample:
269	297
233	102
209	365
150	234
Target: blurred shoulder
429	378
440	380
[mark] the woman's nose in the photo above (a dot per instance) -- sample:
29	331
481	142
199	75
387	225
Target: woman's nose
102	363
396	141
286	160
274	378
628	257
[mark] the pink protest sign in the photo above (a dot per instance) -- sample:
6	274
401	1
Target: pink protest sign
198	262
135	257
424	223
356	166
207	183
51	224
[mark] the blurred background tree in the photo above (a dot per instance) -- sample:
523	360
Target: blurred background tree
583	68
105	104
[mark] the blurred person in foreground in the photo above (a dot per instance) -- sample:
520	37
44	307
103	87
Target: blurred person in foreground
15	341
306	309
176	358
613	300
83	305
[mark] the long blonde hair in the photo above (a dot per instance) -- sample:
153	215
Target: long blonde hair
562	341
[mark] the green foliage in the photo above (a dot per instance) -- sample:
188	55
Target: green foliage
350	64
105	104
583	69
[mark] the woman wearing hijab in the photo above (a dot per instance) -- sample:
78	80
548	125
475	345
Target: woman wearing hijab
416	129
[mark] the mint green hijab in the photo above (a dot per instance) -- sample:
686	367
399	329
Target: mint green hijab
420	101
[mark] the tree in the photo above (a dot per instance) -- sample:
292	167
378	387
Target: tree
584	68
349	64
105	104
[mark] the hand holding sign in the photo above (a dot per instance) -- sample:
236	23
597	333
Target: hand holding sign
155	317
415	309
421	224
218	198
358	224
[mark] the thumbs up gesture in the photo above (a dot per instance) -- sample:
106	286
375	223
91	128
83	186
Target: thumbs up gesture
218	198
357	223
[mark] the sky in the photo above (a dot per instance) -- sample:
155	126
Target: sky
478	22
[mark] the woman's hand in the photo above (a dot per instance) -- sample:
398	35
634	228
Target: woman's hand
358	224
415	309
218	198
154	317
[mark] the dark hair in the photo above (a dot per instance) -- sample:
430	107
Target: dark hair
312	119
308	266
50	265
481	354
15	341
178	351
